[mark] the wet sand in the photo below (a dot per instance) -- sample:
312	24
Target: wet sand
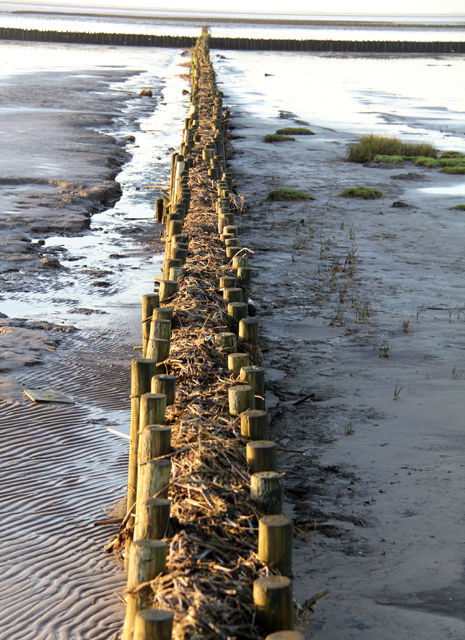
362	325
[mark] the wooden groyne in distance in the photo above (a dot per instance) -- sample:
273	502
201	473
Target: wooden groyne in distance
242	44
208	550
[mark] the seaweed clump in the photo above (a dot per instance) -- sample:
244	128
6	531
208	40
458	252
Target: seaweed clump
284	194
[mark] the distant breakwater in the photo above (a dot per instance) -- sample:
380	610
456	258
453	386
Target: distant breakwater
242	44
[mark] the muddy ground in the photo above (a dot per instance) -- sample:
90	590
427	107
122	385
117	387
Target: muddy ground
361	305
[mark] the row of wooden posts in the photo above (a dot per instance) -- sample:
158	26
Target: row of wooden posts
152	389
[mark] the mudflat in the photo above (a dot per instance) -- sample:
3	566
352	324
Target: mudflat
361	306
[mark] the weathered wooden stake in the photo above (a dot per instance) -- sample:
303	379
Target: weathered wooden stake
153	519
147	560
254	425
241	398
176	273
232	242
244	276
142	371
248	331
163	313
168	264
175	227
226	339
261	455
275	543
232	294
228	282
273	600
236	361
237	311
231	252
149	302
266	490
168	288
255	376
154	441
152	409
166	384
239	261
231	229
155	480
153	624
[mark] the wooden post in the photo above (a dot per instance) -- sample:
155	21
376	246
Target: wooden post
231	252
226	339
154	441
153	624
237	311
142	371
248	331
168	264
244	276
166	384
147	560
152	409
175	227
228	282
239	261
241	398
155	479
254	425
225	236
163	313
176	273
232	242
266	490
236	361
153	519
232	294
159	209
168	288
273	600
275	543
149	302
161	329
231	229
255	376
261	455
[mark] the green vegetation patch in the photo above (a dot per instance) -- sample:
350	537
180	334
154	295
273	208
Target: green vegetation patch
451	162
423	161
295	131
459	170
453	154
372	145
362	192
460	207
288	194
391	159
274	137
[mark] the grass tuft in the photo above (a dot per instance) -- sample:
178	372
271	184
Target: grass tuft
295	131
372	145
460	207
361	192
451	162
453	154
288	194
423	161
391	159
459	170
274	137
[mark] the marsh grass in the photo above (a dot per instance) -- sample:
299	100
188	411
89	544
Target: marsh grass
424	161
366	193
451	162
372	145
285	194
453	154
390	159
275	137
460	207
458	170
295	131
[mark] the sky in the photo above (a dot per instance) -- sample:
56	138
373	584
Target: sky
344	7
